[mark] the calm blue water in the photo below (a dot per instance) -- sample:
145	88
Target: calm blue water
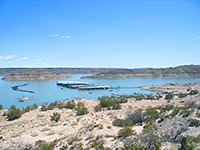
48	91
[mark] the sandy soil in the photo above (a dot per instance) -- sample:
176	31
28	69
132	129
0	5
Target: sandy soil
36	125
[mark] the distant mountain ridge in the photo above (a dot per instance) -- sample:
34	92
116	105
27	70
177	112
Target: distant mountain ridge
6	71
179	71
37	75
109	73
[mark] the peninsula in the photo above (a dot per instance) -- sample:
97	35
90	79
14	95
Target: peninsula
37	75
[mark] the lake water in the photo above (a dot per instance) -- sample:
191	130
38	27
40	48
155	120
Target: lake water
48	91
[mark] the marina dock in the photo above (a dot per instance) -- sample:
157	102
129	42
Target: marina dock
82	85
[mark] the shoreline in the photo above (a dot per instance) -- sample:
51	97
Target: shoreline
178	87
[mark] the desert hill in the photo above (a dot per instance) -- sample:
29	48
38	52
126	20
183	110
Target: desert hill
37	75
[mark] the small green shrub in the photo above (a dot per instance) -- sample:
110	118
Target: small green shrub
194	123
1	107
139	97
134	147
150	97
55	117
174	113
43	145
13	113
39	143
151	115
97	108
182	95
198	114
116	107
186	144
35	106
51	106
111	102
166	108
193	139
187	110
122	123
61	105
194	92
70	105
98	143
4	114
77	146
43	108
108	102
81	110
28	108
150	137
169	96
136	117
125	132
64	147
123	99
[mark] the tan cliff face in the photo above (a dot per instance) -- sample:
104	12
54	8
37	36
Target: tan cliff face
37	75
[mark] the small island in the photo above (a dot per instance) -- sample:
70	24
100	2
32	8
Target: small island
36	75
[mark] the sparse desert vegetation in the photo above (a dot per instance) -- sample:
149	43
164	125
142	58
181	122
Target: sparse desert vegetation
125	122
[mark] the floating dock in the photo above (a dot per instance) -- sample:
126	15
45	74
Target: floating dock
94	87
81	85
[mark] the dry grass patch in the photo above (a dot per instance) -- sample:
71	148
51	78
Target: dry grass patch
40	115
15	134
61	132
53	124
45	129
24	122
74	123
34	134
51	133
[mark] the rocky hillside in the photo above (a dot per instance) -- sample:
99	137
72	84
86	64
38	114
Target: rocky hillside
180	71
37	75
127	122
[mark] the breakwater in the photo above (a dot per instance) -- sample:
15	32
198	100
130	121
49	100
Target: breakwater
16	88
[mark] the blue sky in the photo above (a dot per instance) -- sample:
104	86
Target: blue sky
99	33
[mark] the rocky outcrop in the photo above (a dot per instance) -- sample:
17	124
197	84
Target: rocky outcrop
37	75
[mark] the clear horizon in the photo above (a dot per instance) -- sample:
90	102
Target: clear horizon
99	34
